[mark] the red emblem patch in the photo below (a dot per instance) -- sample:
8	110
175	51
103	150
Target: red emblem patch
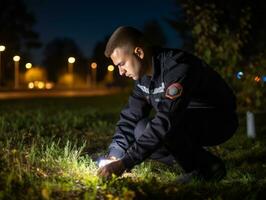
174	90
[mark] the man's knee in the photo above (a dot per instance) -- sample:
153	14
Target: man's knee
219	132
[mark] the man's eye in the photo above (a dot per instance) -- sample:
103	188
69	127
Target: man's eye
120	64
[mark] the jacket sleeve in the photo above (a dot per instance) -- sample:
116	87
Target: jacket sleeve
169	113
136	109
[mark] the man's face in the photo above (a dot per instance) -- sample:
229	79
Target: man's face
130	63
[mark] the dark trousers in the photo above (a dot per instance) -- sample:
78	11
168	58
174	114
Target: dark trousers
186	141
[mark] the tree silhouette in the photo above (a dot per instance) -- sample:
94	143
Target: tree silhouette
229	14
154	33
98	57
231	37
56	54
180	25
16	32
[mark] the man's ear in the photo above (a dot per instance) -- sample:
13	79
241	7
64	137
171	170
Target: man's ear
139	52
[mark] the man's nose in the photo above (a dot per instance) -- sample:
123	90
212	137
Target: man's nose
121	71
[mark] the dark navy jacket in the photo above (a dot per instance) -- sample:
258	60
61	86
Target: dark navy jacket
201	87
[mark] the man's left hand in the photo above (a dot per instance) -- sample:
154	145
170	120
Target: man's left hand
116	167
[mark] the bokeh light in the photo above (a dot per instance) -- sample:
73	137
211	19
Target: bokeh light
71	59
239	75
16	58
110	68
94	65
257	79
28	65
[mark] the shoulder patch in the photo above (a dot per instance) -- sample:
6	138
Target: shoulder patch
174	90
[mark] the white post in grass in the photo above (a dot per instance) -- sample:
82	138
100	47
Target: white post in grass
251	129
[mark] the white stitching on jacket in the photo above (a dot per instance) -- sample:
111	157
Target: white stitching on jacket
155	91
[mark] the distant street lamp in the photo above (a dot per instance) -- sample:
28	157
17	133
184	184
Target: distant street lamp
2	48
28	65
16	60
110	77
110	68
71	61
94	73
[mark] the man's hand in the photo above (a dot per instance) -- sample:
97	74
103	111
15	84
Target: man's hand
116	167
104	161
111	158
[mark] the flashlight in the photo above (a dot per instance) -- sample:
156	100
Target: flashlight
101	162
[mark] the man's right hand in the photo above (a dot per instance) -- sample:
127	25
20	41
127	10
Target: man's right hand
112	158
114	167
106	160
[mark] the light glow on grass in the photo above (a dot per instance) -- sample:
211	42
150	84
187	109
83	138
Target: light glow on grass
43	155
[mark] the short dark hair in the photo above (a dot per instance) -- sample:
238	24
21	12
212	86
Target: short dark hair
124	36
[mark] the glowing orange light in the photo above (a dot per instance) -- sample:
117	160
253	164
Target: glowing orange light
41	85
257	79
94	65
49	86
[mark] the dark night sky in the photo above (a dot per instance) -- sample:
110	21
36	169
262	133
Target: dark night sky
88	22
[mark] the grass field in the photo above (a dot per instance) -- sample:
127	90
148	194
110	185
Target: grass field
47	148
